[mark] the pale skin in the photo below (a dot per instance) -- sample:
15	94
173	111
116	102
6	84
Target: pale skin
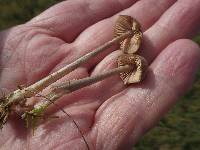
111	115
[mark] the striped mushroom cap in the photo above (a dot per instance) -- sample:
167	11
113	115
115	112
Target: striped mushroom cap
138	72
124	24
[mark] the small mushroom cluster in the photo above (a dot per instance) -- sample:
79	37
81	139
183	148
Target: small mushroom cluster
129	48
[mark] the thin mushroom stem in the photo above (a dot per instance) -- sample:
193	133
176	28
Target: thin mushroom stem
73	85
42	84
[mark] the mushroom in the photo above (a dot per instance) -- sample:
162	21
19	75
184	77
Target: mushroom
138	72
124	24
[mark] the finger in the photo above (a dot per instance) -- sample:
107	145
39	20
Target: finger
110	86
129	114
180	21
67	19
103	31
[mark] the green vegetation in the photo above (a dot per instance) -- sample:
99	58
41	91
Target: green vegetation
179	130
197	39
14	12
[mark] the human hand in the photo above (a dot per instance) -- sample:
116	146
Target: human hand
111	115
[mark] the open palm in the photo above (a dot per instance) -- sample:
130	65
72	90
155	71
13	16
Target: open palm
110	115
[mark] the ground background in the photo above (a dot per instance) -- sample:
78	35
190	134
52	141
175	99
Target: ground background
179	130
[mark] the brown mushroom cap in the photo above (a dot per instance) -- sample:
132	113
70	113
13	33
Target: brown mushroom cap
124	24
139	64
